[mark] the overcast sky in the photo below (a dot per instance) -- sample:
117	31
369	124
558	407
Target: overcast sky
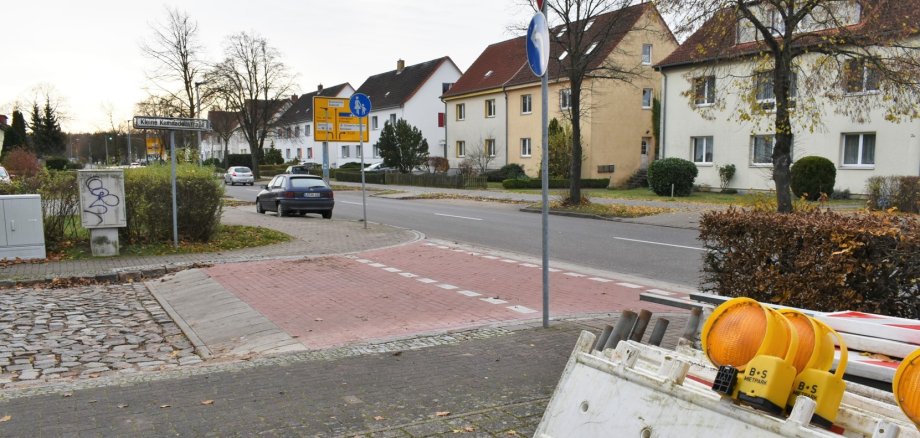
89	53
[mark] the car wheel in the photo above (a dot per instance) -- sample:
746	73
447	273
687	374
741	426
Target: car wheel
259	207
225	182
327	214
251	183
281	209
301	213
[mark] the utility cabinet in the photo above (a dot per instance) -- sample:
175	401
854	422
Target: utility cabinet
22	233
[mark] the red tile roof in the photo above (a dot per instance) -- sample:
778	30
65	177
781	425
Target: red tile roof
502	59
715	40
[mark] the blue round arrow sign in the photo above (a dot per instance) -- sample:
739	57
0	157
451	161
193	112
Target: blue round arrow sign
360	104
538	44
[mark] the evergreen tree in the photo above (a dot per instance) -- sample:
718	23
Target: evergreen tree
47	138
402	146
15	136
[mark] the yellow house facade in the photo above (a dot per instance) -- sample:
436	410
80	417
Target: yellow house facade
617	134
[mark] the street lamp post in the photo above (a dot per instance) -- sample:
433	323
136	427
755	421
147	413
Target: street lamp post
107	138
198	111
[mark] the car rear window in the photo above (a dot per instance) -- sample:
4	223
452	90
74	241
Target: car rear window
2	171
306	183
242	169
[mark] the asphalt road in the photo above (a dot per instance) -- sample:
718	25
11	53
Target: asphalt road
665	254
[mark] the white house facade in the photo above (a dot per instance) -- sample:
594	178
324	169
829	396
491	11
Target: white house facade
293	135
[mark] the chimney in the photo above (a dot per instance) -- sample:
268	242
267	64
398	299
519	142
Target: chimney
293	98
400	65
319	88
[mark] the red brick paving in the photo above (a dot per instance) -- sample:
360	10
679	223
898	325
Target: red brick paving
339	300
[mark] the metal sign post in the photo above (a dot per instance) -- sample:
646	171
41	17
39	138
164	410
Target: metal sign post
172	125
538	48
360	106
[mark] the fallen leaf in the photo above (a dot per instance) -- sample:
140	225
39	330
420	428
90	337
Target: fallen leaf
442	413
207	402
379	418
122	406
92	401
67	394
469	429
398	353
511	433
319	319
6	418
165	406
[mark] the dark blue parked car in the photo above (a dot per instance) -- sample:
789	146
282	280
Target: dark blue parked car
291	193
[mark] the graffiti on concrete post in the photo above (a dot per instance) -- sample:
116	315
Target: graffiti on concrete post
103	198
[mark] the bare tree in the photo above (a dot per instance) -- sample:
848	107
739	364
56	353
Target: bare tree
223	124
830	48
588	33
480	158
175	47
252	79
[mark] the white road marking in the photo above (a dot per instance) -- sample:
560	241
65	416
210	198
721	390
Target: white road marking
431	244
352	203
443	247
600	280
509	261
529	265
392	270
447	286
365	261
408	275
469	293
522	309
459	217
575	274
630	285
426	280
659	243
493	300
554	270
490	257
459	250
660	292
377	265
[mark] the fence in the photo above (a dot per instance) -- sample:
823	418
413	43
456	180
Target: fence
422	180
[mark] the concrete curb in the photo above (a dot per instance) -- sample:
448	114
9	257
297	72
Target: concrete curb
602	218
199	345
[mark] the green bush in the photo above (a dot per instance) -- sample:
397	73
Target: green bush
271	156
239	160
812	176
270	170
57	163
352	165
343	175
536	183
508	171
901	192
60	202
216	162
665	172
816	260
148	201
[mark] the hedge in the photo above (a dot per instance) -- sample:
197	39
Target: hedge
812	176
270	170
672	175
817	260
536	183
901	192
148	201
369	177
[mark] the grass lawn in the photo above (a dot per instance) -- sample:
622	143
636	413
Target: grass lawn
229	237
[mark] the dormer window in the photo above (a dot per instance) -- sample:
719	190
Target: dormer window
488	73
591	48
561	33
590	23
563	55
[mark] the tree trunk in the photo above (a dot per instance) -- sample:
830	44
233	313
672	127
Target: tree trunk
575	176
782	148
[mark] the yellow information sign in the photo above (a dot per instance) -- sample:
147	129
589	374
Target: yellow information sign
154	147
333	121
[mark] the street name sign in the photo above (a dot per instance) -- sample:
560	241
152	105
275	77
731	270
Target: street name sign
333	121
171	123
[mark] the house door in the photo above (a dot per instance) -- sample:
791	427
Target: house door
643	157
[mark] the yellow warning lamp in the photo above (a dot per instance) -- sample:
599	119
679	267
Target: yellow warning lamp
813	361
906	386
754	347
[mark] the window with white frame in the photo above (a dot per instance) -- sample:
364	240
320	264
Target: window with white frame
702	149
859	149
565	99
646	98
461	149
762	150
299	154
860	76
358	152
490	147
346	151
526	104
309	153
287	154
490	108
393	119
647	54
374	125
306	131
525	147
297	131
376	152
704	90
461	111
765	90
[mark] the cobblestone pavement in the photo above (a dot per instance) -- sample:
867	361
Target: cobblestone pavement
492	382
49	335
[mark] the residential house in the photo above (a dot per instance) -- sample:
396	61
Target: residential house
294	131
212	145
616	123
411	93
714	75
476	106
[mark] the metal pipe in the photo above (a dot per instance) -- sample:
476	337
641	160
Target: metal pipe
621	329
661	327
602	339
638	330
